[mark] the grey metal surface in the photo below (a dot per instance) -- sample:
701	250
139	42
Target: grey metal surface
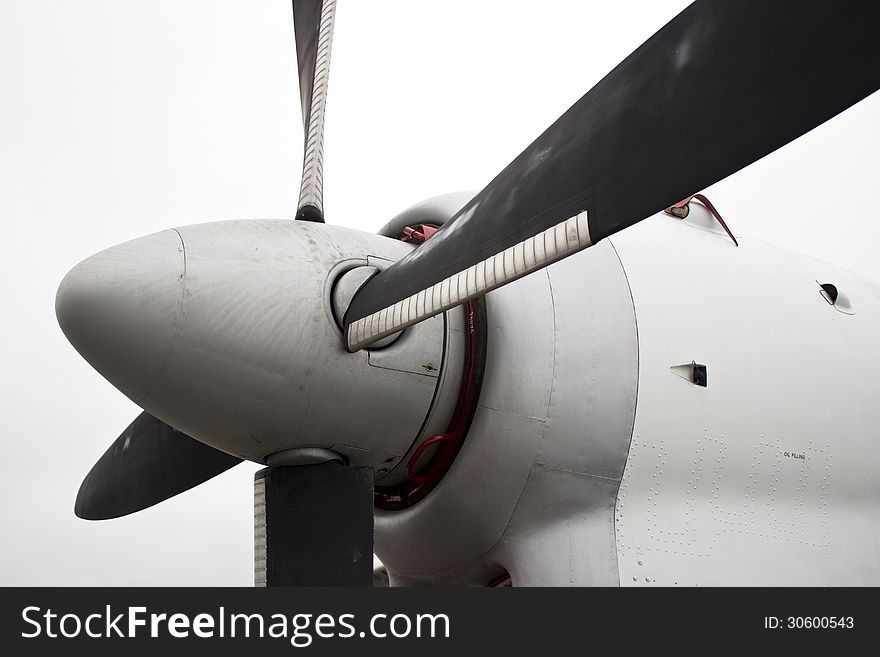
445	396
120	309
400	358
443	538
595	379
562	532
533	490
304	456
247	356
433	211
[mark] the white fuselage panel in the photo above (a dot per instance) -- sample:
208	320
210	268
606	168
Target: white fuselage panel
766	476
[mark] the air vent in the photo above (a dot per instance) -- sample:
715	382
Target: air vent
695	372
836	298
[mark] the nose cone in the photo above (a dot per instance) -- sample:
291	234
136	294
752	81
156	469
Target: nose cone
120	309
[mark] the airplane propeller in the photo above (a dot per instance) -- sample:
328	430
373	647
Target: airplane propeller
720	86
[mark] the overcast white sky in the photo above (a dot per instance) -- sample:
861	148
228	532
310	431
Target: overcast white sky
119	118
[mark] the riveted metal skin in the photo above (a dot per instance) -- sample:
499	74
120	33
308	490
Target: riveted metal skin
766	476
593	461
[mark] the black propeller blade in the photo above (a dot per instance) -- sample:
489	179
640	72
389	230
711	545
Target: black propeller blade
147	464
313	25
306	25
723	84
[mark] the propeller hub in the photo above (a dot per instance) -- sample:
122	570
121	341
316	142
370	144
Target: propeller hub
226	332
